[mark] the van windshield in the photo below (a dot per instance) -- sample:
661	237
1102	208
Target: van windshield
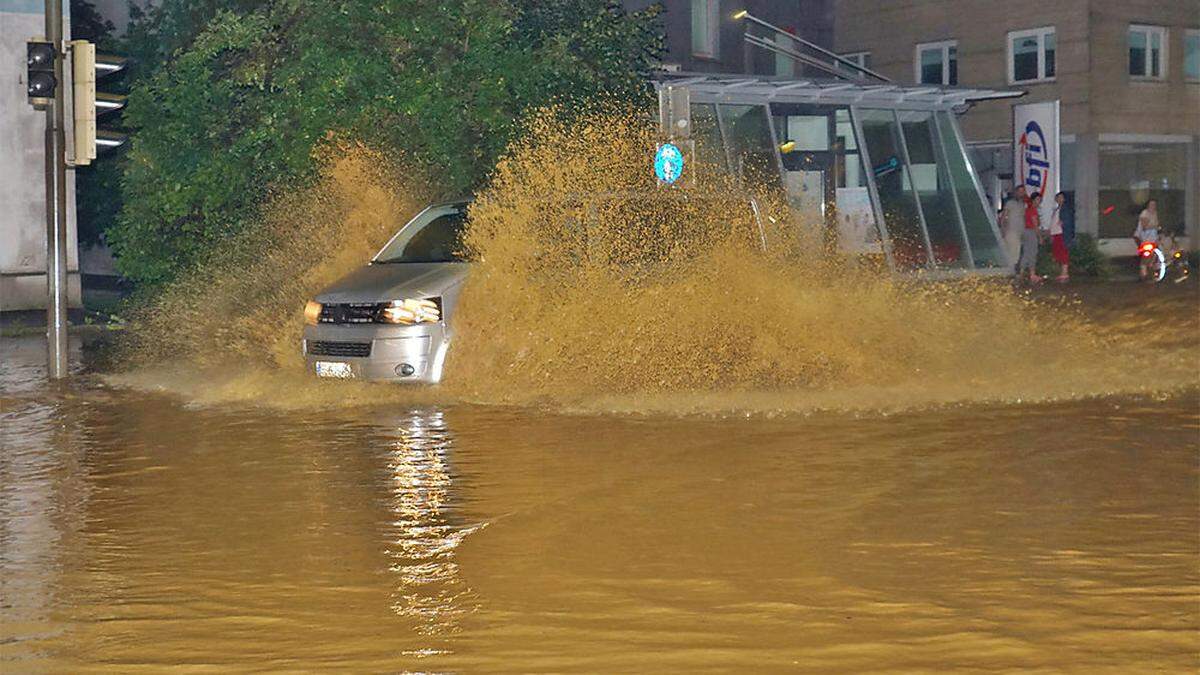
433	237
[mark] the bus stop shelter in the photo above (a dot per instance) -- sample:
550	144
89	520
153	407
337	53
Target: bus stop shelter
881	165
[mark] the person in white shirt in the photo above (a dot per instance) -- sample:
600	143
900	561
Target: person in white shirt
1147	231
1014	223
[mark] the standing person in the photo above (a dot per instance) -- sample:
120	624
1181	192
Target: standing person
1147	230
1029	240
1014	223
1068	219
1058	242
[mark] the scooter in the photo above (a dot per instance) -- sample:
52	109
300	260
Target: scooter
1161	264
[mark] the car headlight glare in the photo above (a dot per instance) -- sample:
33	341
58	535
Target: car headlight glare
312	313
411	311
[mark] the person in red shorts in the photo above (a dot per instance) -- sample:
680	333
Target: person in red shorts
1058	245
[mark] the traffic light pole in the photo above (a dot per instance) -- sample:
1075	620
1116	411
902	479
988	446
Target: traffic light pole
56	204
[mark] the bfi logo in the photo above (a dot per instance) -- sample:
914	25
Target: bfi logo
1035	160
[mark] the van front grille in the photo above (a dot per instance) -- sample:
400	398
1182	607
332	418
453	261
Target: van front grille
326	348
349	312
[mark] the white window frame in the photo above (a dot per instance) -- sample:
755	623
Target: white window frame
944	46
713	39
859	58
1040	33
1161	31
1190	34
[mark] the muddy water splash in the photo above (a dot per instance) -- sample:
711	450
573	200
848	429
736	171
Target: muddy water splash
246	302
595	289
229	332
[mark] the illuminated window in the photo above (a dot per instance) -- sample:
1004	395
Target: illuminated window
937	63
1133	173
705	24
1032	55
1147	51
785	66
1191	55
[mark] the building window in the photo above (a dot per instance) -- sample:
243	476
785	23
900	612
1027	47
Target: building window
857	58
785	66
706	20
937	63
1191	55
1032	55
1132	174
1147	51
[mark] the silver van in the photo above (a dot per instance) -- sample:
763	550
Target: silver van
392	320
389	319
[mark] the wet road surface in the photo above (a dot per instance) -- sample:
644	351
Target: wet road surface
140	530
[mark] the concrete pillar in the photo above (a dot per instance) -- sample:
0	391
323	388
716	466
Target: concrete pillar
1191	200
1087	183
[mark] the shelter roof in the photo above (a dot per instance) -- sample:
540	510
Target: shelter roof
732	88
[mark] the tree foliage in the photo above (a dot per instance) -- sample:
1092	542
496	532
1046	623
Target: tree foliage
88	24
98	200
251	88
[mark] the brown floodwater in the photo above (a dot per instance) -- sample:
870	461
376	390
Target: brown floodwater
143	529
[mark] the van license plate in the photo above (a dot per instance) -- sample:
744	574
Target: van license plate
334	369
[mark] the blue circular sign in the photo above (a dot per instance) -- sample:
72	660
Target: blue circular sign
668	163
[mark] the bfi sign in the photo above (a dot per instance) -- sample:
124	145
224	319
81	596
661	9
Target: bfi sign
1035	149
1035	163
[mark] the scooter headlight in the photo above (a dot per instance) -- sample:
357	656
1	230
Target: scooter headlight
411	311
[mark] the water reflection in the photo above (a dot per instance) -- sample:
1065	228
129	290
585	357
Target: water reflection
42	495
424	534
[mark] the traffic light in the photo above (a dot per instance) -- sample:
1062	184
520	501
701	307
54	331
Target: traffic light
39	74
83	77
86	69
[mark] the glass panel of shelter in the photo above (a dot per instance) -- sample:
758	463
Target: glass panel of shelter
931	180
978	220
753	158
893	186
933	211
823	176
808	153
706	136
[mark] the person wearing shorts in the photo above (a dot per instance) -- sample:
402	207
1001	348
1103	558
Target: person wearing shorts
1147	231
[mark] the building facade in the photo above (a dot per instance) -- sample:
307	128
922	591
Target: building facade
22	171
703	37
1126	73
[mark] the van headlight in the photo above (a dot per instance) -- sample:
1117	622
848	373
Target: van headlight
411	311
312	313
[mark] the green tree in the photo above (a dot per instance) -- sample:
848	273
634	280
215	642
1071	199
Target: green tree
98	199
238	108
88	24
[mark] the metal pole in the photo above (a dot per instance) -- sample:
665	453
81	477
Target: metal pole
56	212
795	56
815	47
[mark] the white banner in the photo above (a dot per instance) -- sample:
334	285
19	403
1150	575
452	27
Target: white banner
1036	163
